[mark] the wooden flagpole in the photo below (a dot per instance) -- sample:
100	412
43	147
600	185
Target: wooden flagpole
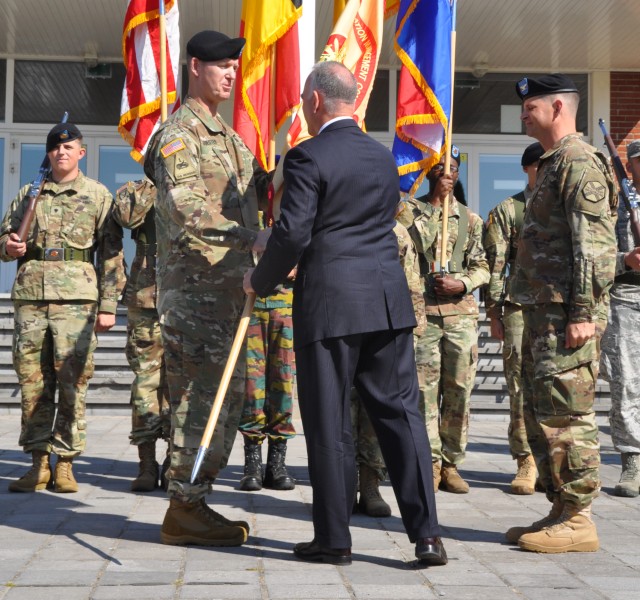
163	62
444	266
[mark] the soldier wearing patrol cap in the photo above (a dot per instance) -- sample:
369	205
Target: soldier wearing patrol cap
501	244
564	269
209	187
620	341
447	352
60	300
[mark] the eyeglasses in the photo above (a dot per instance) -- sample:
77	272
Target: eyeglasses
440	167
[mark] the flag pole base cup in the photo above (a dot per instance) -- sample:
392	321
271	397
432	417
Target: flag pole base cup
196	467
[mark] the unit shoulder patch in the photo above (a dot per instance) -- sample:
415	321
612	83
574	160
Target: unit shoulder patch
594	191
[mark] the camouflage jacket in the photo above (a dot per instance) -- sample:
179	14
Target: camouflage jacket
77	214
424	223
411	267
209	188
567	248
133	209
501	244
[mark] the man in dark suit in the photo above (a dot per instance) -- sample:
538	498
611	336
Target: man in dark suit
353	317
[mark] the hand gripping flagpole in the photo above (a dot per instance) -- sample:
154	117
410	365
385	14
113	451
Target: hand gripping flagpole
444	263
224	384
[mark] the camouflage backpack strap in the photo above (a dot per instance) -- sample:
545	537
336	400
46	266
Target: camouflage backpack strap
457	256
518	206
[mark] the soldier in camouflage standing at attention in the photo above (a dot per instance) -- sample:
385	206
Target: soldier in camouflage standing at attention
447	353
60	300
620	342
209	186
564	269
150	414
501	244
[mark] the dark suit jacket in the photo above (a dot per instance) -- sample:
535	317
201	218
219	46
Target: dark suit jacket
341	192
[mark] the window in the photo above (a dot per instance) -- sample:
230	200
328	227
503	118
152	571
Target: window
490	104
3	84
377	117
45	90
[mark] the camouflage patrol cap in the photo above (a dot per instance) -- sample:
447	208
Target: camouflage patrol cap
554	83
532	154
211	45
633	149
61	133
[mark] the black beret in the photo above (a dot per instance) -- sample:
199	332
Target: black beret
532	154
555	83
214	45
61	133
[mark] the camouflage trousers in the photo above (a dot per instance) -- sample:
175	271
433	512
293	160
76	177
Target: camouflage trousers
619	366
559	387
512	360
270	374
53	345
194	370
446	359
365	440
150	413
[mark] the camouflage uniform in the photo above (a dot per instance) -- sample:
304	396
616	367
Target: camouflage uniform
206	223
619	345
501	244
270	370
564	268
56	303
447	352
365	439
150	417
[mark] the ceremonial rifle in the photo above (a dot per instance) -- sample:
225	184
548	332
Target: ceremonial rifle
34	193
623	182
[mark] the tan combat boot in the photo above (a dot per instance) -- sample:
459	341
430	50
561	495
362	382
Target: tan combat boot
451	480
64	480
629	484
37	477
574	532
513	534
222	519
371	502
147	479
192	523
524	483
437	475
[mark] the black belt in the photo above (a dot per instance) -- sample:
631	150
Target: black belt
146	249
58	254
630	277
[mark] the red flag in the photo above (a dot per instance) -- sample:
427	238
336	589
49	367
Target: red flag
141	101
268	27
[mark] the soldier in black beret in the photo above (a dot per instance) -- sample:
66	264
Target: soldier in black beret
62	133
554	83
213	45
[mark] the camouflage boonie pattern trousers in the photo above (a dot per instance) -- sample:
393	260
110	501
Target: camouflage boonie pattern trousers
619	364
150	413
53	345
559	387
194	370
512	360
268	404
447	358
365	440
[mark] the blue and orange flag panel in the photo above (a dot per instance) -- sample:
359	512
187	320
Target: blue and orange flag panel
423	44
271	57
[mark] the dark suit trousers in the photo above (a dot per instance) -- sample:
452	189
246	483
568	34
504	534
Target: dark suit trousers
381	365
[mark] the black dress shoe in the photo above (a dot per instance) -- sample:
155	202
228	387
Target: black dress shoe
314	552
430	551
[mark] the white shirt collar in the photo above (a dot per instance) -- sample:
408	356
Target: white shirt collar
332	121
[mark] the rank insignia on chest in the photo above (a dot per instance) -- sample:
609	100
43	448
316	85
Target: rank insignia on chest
172	147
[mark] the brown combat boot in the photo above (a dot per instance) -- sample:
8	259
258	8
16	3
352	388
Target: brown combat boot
574	532
629	484
64	480
371	502
524	483
514	534
37	477
451	480
148	473
437	475
222	519
192	523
